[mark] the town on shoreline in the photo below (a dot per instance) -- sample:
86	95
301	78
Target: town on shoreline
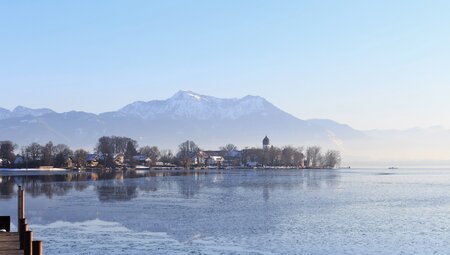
115	152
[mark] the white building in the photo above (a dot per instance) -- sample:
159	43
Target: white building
215	160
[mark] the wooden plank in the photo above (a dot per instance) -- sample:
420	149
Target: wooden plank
9	244
12	252
9	234
9	239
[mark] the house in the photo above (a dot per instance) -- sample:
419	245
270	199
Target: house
215	160
142	160
92	160
20	160
69	163
232	158
200	158
4	162
119	159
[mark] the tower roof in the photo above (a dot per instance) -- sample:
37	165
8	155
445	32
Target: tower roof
266	141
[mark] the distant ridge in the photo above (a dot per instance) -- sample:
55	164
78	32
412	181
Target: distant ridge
208	120
188	104
21	111
212	122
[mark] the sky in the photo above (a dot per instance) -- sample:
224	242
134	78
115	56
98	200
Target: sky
370	64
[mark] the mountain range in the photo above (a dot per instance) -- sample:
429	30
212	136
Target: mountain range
210	122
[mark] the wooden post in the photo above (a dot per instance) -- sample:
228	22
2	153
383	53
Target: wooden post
21	229
22	222
22	236
20	205
37	247
28	245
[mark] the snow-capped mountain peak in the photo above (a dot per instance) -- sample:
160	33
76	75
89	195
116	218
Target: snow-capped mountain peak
188	104
182	94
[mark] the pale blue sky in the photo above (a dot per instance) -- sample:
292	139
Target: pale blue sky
371	64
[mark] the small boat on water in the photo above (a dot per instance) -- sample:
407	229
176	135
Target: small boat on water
392	168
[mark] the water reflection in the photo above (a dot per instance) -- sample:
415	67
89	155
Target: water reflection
46	185
112	186
118	190
7	187
183	204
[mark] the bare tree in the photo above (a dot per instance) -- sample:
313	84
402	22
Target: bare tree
61	148
106	150
331	159
287	156
273	156
7	152
130	151
229	147
299	157
186	151
61	154
33	154
80	157
252	155
152	152
313	156
166	156
109	146
47	154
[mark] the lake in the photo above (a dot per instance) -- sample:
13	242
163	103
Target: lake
347	211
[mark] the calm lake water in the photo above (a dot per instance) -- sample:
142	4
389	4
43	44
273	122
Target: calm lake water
352	211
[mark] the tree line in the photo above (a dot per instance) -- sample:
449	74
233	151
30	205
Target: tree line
189	154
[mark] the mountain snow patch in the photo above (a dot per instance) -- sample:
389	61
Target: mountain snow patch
187	104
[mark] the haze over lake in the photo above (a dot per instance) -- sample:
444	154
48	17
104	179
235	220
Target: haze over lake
351	211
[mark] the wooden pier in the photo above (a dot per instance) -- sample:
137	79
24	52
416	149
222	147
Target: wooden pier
21	242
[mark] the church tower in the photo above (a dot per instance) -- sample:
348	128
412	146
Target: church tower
266	143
